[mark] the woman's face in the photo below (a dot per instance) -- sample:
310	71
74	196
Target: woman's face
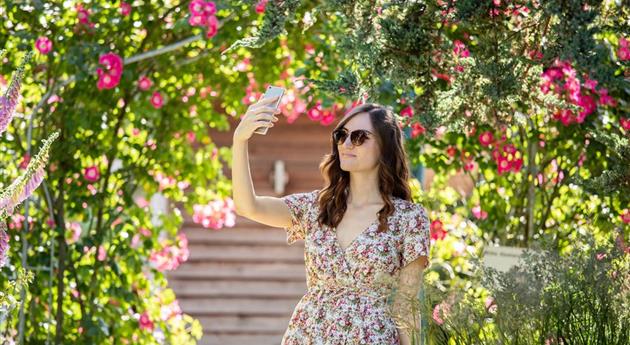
363	157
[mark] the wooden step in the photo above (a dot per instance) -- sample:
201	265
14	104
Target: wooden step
244	324
238	306
228	339
234	271
239	288
236	235
245	253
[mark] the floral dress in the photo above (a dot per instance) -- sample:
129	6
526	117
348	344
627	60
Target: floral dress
344	303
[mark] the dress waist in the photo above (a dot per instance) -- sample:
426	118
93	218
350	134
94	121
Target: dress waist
336	289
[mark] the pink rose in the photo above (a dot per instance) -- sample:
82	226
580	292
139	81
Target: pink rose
156	100
110	76
102	253
145	322
623	53
260	6
43	44
125	8
196	7
486	138
91	173
144	83
407	112
212	25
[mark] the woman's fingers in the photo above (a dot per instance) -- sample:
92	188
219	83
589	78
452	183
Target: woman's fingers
263	102
266	110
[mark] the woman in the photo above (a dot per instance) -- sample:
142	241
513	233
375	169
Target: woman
361	226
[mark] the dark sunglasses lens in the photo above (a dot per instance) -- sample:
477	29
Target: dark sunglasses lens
339	136
358	137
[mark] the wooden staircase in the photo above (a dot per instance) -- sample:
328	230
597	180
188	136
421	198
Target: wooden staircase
242	283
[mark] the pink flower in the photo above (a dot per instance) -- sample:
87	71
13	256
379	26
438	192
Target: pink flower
417	129
170	310
437	230
316	112
75	232
600	256
102	253
486	138
156	100
144	83
196	7
212	25
479	213
145	322
25	160
623	53
190	136
605	99
43	44
491	306
82	14
109	77
459	49
443	308
565	116
202	14
209	8
106	81
135	241
451	151
327	119
407	112
144	232
197	20
442	76
625	123
164	181
625	216
517	164
4	245
216	214
260	6
91	174
503	165
125	8
170	256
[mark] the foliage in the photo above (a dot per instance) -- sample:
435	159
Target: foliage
548	298
527	97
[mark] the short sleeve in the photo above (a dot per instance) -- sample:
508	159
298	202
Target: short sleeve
416	237
299	205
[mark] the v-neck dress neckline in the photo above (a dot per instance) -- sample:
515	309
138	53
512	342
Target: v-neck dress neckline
365	231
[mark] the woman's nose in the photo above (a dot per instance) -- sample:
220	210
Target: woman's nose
347	142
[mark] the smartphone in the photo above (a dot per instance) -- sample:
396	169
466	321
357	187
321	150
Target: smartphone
272	91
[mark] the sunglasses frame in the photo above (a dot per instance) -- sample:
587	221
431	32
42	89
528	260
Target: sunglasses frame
357	137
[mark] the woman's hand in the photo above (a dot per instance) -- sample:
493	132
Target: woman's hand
259	114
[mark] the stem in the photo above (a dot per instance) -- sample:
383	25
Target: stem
61	260
532	149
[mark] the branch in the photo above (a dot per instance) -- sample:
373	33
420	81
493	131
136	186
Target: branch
171	47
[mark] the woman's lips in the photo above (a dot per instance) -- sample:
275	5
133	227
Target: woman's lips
347	155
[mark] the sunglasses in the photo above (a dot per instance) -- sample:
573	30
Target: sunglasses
357	137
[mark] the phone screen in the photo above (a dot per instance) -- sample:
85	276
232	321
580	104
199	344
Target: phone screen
272	91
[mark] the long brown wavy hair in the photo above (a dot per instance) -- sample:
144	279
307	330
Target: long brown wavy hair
393	168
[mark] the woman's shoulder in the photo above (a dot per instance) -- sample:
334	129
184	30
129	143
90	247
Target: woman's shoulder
407	210
406	206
